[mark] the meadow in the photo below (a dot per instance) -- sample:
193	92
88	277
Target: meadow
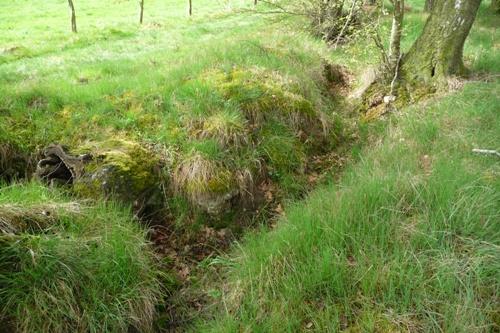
238	122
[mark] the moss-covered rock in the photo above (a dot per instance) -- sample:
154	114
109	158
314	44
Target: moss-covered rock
118	168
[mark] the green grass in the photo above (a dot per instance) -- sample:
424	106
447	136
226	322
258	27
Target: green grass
407	240
165	83
66	266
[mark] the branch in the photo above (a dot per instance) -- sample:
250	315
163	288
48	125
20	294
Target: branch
280	10
486	152
346	23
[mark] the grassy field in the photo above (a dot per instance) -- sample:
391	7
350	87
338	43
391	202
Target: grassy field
406	239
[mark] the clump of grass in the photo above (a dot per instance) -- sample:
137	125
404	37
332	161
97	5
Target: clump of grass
227	127
68	267
198	175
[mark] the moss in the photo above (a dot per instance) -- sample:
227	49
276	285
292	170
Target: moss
122	168
263	95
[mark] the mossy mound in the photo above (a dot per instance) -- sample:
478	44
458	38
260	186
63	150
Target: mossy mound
264	95
256	124
68	267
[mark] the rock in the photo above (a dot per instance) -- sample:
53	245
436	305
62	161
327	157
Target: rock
121	169
215	204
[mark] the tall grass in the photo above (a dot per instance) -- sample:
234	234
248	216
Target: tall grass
407	241
88	269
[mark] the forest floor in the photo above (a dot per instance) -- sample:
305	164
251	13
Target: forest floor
382	226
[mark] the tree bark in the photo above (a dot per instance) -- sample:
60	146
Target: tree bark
428	5
438	51
141	15
73	16
190	7
396	32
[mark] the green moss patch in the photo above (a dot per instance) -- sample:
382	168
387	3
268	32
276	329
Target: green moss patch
122	168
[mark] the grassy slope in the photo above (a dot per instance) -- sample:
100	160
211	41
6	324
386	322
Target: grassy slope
408	240
127	70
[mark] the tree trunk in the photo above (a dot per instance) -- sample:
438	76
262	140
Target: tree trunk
190	7
141	15
73	15
396	32
495	6
428	5
438	51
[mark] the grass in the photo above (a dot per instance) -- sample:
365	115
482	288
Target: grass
406	241
203	86
66	266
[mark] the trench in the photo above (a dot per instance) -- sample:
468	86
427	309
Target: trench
182	249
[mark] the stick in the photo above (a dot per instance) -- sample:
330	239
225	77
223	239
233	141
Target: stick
486	151
341	33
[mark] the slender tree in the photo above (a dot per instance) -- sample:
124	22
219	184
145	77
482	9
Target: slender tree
73	16
141	15
190	8
438	51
